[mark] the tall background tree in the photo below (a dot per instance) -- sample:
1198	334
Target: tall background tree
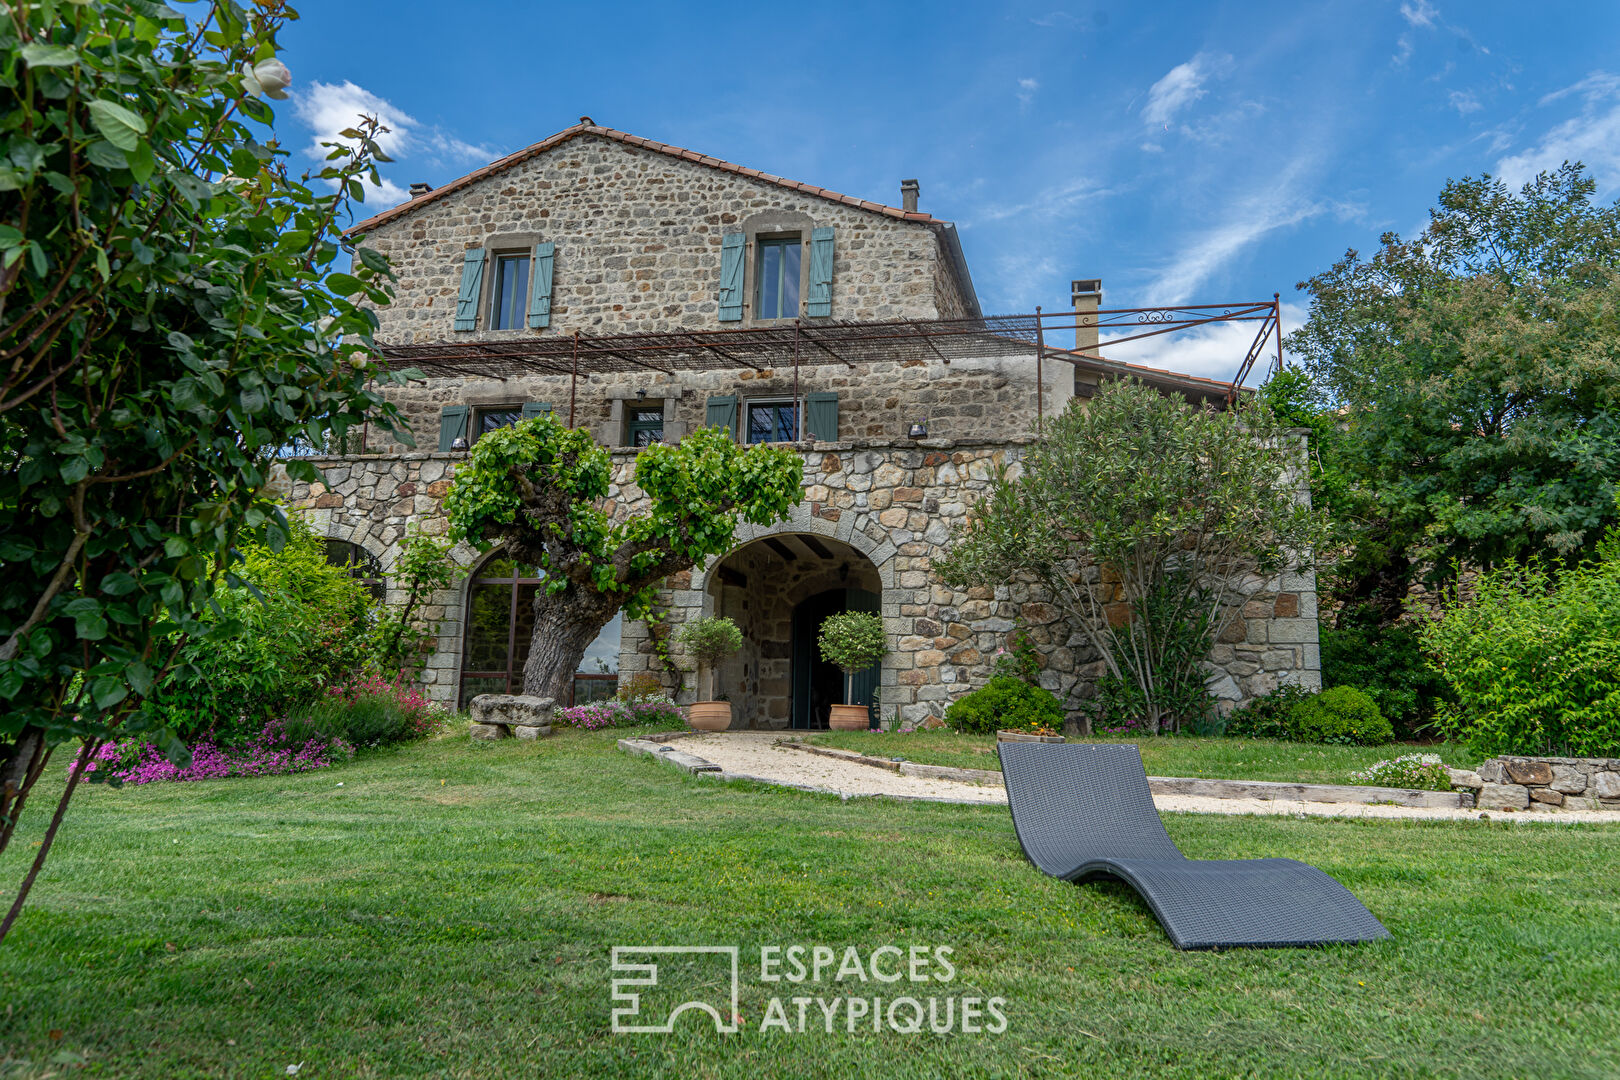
170	315
1467	385
539	488
1137	513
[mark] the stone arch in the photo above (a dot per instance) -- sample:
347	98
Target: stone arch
802	521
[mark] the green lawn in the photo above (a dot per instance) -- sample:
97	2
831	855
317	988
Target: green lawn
449	911
1181	755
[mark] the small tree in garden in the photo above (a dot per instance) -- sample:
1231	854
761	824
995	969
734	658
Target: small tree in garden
540	488
709	641
169	316
1138	512
854	641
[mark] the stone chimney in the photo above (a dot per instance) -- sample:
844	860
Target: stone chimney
1087	298
419	189
909	190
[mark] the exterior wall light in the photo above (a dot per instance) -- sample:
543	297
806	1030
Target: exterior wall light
919	430
460	443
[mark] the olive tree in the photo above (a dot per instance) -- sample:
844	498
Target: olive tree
1139	513
169	316
540	489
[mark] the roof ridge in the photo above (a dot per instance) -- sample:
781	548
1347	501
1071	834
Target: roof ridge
588	127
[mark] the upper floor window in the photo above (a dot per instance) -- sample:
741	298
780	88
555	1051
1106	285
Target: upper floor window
777	274
644	425
771	421
510	293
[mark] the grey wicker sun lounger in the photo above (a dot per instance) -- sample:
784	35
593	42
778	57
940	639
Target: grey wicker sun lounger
1085	811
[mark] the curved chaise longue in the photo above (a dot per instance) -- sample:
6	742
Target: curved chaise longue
1085	811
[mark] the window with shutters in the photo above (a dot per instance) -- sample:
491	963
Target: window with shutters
776	273
509	294
770	421
493	418
643	425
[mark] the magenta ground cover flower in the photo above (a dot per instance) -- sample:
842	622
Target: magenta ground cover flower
268	754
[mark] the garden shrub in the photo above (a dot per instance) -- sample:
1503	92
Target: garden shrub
267	653
1423	772
368	712
1533	658
1268	717
1342	715
1006	703
1387	662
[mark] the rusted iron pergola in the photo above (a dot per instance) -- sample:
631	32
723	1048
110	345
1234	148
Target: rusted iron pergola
853	344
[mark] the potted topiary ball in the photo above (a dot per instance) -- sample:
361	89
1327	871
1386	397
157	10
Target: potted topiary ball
709	641
854	641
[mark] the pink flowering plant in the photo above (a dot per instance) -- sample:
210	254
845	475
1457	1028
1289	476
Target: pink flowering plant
617	713
274	751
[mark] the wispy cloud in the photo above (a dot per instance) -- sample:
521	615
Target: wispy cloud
1464	102
1057	20
329	108
1051	202
1421	13
1592	137
1213	351
1181	86
1026	92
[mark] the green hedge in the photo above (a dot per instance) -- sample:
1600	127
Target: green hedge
1341	715
1006	703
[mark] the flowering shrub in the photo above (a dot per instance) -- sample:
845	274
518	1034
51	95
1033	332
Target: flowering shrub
272	752
618	713
370	711
1424	772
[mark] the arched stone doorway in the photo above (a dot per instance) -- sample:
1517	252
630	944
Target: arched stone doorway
777	589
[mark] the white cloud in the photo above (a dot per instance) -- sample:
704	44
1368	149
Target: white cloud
1213	351
1403	45
1026	91
1051	201
328	108
1179	282
1181	86
1464	102
1421	13
1056	20
1592	137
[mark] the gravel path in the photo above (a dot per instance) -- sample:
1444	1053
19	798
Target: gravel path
757	753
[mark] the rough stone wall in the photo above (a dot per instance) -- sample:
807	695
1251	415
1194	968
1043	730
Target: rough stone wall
896	502
1543	783
638	237
965	399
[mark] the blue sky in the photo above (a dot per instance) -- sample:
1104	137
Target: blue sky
1182	152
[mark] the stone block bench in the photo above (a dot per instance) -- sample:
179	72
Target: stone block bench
496	716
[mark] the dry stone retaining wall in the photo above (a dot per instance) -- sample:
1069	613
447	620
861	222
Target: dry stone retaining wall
1543	783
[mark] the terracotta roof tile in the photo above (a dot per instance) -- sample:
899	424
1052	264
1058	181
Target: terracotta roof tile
520	156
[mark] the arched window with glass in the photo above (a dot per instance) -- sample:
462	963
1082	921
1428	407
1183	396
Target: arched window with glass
361	564
500	626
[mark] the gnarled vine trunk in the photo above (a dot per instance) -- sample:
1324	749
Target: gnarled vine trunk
564	627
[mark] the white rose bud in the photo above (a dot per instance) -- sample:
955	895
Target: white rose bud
267	78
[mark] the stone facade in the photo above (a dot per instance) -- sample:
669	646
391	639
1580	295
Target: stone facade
638	230
883	509
1543	783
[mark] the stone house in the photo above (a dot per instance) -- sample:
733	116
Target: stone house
643	290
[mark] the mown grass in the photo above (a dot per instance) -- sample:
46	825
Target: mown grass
449	911
1181	755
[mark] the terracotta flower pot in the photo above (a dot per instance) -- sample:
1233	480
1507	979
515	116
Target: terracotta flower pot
709	715
849	718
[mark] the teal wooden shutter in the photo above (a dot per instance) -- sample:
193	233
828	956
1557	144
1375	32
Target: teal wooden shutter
821	416
540	295
731	277
721	411
819	300
452	425
472	281
532	409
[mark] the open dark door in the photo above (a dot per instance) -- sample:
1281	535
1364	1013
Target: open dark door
818	685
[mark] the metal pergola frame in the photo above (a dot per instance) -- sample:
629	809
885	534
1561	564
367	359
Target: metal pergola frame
853	344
